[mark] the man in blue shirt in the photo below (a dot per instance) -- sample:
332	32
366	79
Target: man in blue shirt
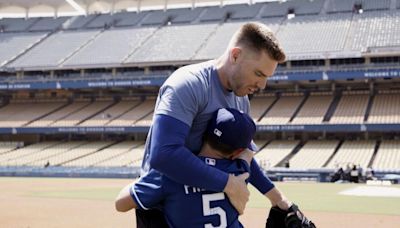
228	134
185	104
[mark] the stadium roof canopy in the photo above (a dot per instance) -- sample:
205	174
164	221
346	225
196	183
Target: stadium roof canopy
29	8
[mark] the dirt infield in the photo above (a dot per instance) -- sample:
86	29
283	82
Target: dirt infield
81	203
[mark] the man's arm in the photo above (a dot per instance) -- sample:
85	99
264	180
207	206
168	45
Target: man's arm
170	156
173	159
124	201
278	199
258	179
272	193
265	185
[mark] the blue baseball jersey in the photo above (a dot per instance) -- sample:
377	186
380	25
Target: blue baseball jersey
186	206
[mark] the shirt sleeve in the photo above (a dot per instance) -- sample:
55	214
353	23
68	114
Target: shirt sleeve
258	179
181	99
148	191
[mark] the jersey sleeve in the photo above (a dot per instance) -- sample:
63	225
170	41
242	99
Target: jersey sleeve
148	191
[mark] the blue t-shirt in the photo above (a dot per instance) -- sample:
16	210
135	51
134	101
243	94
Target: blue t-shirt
192	94
186	206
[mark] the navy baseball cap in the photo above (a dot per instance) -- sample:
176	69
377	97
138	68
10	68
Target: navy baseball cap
232	127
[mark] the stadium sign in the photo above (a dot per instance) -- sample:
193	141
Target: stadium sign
335	75
260	128
330	128
80	84
279	76
76	130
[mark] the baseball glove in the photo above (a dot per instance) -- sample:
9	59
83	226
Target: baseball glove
292	218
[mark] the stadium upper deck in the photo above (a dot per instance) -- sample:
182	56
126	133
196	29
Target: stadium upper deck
321	29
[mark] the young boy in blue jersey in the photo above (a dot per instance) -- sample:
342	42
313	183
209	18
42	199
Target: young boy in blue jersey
227	135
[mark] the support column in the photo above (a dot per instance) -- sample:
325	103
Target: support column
288	64
371	87
367	60
139	6
146	70
165	5
112	10
327	63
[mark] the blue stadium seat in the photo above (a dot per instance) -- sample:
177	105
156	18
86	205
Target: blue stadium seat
299	7
48	24
157	17
16	24
103	20
214	13
274	9
79	22
336	6
243	11
306	7
128	18
376	5
185	15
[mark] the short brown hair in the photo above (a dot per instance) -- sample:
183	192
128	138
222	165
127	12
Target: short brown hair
257	37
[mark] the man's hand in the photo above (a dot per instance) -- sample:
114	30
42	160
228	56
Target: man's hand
237	191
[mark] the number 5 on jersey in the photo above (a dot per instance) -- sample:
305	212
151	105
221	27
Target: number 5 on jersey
208	210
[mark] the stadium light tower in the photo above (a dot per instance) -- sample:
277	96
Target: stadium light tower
76	6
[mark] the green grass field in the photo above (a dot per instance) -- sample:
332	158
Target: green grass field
325	197
89	202
311	196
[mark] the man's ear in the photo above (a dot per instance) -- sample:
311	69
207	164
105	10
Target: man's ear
235	54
